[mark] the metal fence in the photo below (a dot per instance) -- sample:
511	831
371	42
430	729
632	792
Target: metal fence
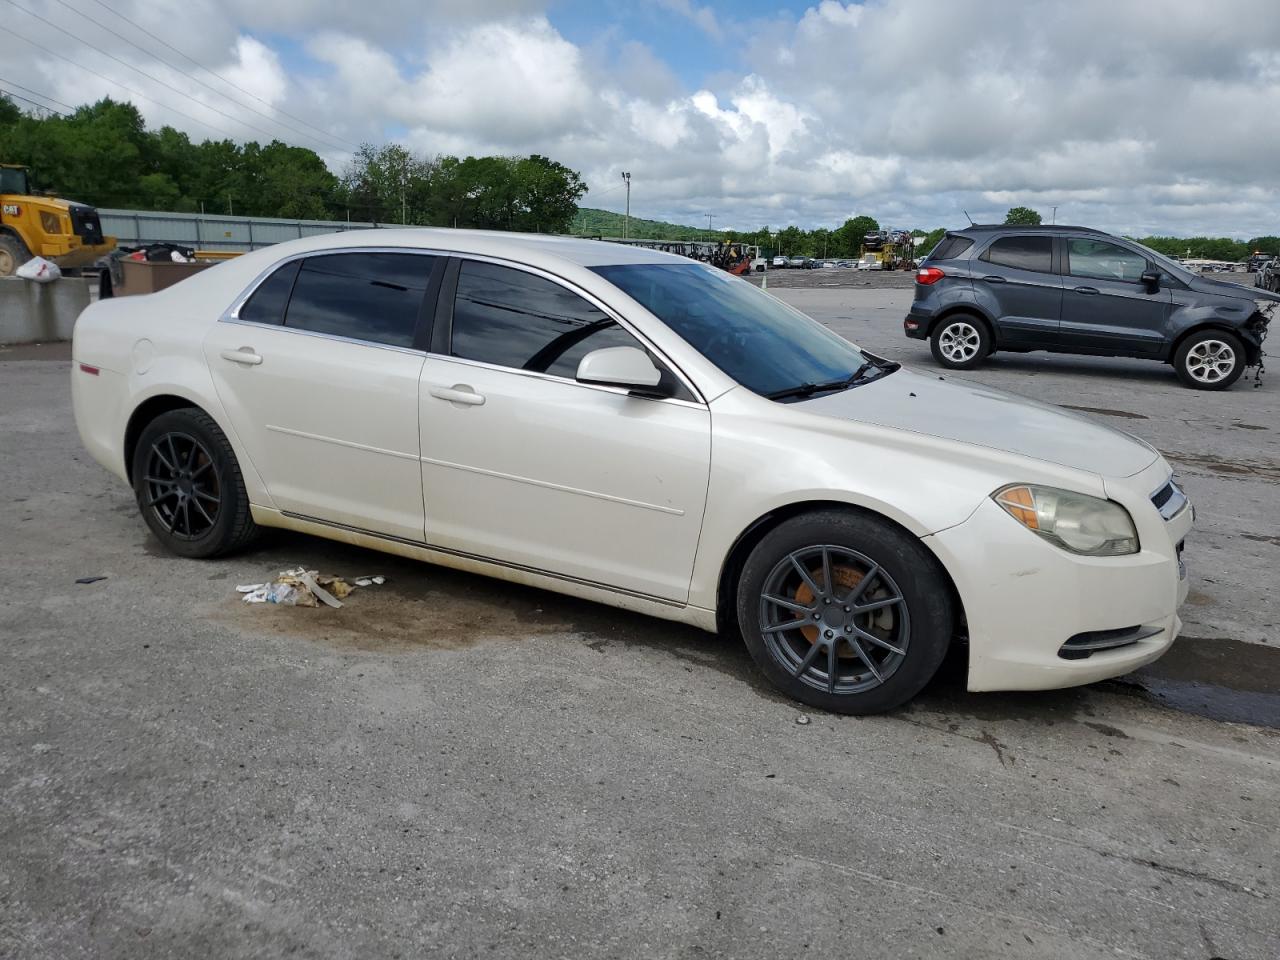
221	233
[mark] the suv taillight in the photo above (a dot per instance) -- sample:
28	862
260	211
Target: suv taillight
928	275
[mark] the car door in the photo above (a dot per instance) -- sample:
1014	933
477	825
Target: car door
524	465
319	370
1015	282
1105	305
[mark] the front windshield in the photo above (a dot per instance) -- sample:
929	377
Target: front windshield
757	340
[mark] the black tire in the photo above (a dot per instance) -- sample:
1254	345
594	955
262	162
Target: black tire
182	464
13	254
961	342
873	563
1201	360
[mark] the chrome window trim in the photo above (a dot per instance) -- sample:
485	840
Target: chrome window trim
232	315
324	336
599	304
536	375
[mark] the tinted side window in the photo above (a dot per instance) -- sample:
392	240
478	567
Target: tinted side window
1022	253
515	319
267	303
364	296
1103	261
949	248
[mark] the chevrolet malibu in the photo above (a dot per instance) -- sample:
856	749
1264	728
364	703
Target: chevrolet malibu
644	431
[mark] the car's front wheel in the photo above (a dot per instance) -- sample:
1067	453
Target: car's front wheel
844	611
188	485
961	342
1210	360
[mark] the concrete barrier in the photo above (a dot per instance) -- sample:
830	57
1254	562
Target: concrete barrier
41	312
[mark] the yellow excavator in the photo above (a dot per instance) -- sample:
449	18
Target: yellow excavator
68	233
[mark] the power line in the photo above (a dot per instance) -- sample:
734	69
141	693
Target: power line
214	73
34	103
103	76
328	146
37	93
138	70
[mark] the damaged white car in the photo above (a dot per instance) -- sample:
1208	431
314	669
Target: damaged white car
641	430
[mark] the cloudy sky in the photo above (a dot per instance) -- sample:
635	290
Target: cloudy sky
1130	115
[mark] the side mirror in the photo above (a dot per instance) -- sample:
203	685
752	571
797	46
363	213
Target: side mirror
1151	280
627	367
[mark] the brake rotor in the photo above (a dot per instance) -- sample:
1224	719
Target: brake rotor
845	577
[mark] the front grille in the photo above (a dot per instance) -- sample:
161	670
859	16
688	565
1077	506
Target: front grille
86	225
1169	500
1084	645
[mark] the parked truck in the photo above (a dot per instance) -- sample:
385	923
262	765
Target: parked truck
66	232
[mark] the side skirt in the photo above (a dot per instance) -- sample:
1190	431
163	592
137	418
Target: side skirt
599	593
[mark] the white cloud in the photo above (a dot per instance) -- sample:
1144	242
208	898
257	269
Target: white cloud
911	110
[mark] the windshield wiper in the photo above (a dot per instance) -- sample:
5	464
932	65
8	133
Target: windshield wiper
858	376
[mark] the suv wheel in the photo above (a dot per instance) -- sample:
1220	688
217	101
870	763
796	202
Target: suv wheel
844	612
961	342
1210	360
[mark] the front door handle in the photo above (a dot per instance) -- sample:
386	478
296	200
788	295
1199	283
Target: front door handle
244	355
1087	291
458	393
993	279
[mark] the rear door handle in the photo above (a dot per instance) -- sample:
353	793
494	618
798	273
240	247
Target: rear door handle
1088	291
994	279
244	355
458	393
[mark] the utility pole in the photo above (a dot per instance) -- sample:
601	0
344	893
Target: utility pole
709	218
231	210
1054	219
626	229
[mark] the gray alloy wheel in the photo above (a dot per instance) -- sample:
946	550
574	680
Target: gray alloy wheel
834	619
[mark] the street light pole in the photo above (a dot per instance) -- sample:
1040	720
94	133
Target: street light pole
626	229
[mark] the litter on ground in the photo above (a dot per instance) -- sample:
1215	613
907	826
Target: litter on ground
304	588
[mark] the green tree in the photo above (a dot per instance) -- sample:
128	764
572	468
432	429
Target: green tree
1269	245
1022	217
851	233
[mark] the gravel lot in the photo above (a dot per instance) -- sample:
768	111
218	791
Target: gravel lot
453	766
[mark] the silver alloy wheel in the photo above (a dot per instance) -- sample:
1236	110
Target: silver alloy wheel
1210	361
960	342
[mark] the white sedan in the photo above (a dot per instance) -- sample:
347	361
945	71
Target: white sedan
645	431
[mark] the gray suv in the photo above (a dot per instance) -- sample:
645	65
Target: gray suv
1077	290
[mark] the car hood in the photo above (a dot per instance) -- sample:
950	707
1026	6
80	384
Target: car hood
971	413
1224	288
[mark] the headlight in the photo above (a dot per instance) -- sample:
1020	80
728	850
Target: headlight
1073	521
50	222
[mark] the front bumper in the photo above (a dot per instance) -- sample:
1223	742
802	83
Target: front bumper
1025	598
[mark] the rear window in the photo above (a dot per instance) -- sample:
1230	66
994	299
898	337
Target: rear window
361	296
950	247
272	296
1022	253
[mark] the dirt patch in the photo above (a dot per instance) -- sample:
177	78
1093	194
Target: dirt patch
1106	412
1267	470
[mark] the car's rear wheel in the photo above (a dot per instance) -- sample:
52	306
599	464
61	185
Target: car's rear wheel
1210	360
189	487
843	611
961	342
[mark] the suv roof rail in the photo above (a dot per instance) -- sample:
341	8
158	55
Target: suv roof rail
988	227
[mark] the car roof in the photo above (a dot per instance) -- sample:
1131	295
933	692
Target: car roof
530	248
